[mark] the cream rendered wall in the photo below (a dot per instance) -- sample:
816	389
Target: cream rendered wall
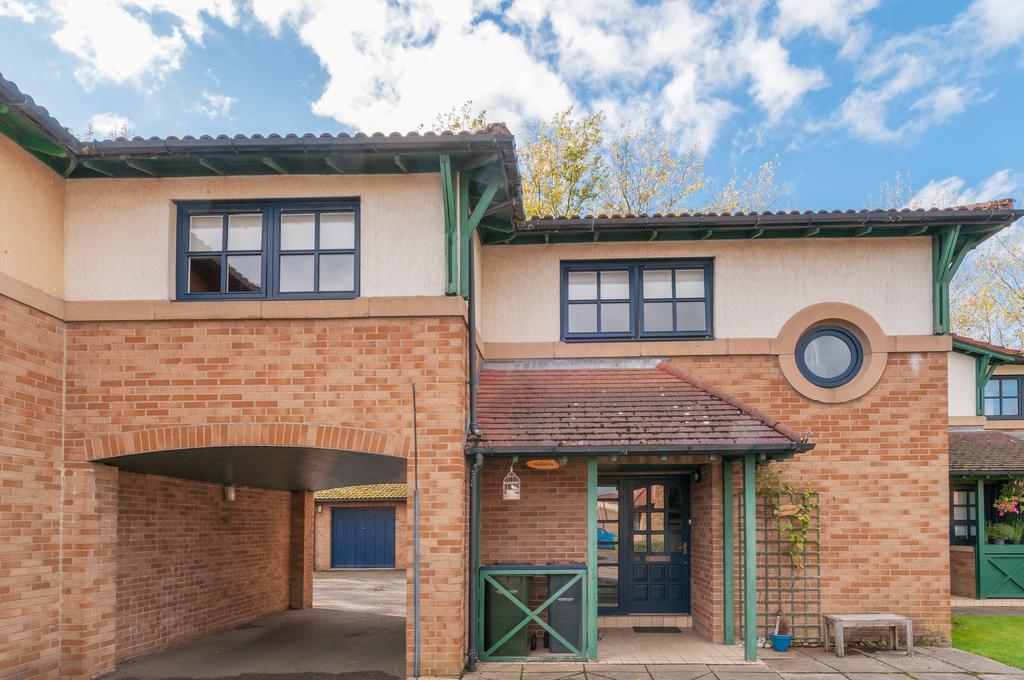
31	220
119	234
759	284
962	377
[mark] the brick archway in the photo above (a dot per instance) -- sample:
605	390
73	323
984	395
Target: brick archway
317	435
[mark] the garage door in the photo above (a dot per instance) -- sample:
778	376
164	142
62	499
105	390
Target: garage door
363	537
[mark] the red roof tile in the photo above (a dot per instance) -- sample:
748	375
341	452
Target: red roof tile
627	407
985	451
987	345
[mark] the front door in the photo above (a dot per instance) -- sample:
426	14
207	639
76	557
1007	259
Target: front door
651	556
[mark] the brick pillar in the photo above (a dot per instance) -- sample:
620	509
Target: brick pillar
89	568
300	551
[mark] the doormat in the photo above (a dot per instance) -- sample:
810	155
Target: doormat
656	629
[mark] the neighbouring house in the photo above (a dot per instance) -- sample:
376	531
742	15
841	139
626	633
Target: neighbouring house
986	450
196	334
360	527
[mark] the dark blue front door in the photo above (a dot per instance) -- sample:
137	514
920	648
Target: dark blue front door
362	537
649	554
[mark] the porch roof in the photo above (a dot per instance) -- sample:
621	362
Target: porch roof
979	453
658	409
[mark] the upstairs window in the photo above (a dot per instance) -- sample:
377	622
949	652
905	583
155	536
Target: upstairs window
639	299
1003	397
268	249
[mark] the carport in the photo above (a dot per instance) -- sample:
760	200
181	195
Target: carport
214	556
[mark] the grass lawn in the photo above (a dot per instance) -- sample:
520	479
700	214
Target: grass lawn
997	637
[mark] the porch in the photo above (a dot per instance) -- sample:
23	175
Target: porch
634	527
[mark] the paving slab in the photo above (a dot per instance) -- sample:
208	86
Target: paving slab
919	663
659	673
813	676
972	663
740	667
736	675
641	674
553	667
493	675
999	676
799	664
943	676
855	664
895	675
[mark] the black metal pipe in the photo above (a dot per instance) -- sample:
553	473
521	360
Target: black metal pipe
474	558
474	370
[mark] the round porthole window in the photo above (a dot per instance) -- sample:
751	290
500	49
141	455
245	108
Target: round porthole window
829	356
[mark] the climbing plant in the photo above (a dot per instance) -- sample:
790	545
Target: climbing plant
793	509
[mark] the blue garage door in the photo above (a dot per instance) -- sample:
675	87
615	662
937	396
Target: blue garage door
363	537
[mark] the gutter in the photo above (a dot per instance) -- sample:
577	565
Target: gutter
641	449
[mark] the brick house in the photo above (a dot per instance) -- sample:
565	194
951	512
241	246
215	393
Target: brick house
986	449
360	527
197	334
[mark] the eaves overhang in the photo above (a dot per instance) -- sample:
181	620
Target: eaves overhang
485	157
979	220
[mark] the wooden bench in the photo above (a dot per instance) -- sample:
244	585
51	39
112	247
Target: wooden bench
893	622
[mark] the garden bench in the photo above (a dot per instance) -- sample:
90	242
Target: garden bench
893	622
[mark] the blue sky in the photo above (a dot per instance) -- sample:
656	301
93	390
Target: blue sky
846	93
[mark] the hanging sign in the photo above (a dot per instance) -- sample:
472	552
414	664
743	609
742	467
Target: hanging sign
787	510
543	464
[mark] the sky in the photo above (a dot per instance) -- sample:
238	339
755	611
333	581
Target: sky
846	94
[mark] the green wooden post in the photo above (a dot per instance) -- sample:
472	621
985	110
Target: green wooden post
591	613
979	547
749	559
450	235
465	236
728	557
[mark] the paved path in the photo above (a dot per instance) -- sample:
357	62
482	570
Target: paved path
929	663
355	631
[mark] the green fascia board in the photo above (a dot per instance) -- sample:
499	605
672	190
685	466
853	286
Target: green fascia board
993	355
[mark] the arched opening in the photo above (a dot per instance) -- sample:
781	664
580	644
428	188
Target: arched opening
216	550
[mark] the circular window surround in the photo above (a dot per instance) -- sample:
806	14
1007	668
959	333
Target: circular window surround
854	321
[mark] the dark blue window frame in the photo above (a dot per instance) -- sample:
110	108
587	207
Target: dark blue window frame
271	210
1001	395
851	341
635	268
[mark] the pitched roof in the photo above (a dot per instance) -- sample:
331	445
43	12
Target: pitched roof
365	492
965	344
985	452
656	408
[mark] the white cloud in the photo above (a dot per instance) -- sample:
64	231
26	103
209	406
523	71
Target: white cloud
952	191
26	11
215	105
109	125
834	20
776	84
393	67
115	39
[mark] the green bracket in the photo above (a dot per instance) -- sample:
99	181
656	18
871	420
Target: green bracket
949	248
986	360
450	239
468	222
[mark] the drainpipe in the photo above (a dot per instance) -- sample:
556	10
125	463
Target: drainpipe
474	558
478	462
474	371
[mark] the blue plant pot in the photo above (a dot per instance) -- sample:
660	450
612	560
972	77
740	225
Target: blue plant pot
781	643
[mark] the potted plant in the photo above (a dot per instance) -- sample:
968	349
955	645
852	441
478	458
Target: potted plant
1017	524
782	638
1000	533
1011	498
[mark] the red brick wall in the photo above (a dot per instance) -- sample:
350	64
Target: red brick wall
189	562
880	466
323	530
962	571
124	376
31	375
547	524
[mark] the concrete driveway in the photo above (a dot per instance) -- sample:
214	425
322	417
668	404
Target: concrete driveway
355	631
